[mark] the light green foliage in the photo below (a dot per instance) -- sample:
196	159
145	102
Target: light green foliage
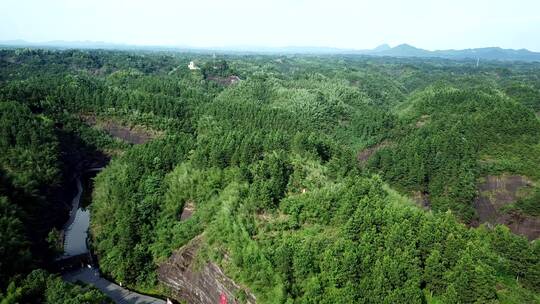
42	287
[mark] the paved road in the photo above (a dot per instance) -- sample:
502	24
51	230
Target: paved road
119	294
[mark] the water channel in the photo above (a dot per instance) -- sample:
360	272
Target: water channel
76	244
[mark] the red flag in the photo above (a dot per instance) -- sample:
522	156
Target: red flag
223	299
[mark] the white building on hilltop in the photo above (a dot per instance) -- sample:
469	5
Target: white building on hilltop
192	66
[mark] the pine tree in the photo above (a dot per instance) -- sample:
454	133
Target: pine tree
434	273
451	295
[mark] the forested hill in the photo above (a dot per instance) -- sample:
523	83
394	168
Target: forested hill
307	179
487	53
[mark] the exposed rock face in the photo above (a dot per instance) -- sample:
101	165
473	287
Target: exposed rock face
130	134
496	192
422	200
188	210
226	81
198	284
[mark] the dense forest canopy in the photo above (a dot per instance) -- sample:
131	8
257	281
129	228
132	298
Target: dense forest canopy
313	179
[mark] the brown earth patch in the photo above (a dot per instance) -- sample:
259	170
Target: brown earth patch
272	218
422	199
365	154
130	134
188	210
225	80
496	192
424	119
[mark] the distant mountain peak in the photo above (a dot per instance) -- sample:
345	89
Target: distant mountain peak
382	47
402	50
405	46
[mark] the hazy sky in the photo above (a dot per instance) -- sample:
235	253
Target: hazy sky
429	24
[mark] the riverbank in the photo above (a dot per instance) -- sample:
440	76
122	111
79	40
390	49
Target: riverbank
75	244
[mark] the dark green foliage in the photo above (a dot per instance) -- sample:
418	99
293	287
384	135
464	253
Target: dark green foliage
29	169
521	257
434	272
381	253
29	147
531	203
269	177
473	282
525	94
216	68
14	246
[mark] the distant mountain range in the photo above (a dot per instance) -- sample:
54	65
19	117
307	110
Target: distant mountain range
488	53
402	50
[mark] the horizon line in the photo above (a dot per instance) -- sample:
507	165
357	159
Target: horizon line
242	47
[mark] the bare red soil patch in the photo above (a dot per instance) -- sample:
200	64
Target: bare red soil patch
498	191
225	80
130	134
365	154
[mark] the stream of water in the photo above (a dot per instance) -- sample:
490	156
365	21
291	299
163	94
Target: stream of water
76	231
75	243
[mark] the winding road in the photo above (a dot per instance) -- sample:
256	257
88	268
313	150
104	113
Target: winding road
116	292
75	236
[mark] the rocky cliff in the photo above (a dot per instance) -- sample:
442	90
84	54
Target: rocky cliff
496	192
199	284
